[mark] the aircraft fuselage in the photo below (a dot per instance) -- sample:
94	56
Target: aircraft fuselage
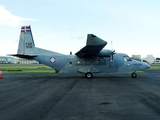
73	64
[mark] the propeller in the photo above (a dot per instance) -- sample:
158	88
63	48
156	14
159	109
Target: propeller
112	53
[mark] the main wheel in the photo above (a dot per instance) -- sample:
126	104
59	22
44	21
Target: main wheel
89	75
134	75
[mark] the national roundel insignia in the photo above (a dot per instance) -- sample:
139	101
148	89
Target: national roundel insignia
52	59
128	64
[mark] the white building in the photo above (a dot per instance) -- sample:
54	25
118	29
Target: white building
156	62
13	60
25	61
7	60
150	59
136	57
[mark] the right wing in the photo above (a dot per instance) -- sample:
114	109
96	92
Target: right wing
94	46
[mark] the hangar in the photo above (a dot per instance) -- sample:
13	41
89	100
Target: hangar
7	60
14	60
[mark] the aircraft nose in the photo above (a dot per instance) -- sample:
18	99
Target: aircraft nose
147	66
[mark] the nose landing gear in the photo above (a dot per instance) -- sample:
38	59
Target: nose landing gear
134	75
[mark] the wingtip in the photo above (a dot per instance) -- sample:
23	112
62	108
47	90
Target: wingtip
94	40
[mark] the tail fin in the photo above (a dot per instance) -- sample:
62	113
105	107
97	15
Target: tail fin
26	43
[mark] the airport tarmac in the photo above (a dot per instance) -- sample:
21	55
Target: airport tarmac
40	96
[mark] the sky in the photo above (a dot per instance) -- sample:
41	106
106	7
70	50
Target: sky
132	26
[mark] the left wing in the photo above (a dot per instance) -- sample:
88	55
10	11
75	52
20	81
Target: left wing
94	46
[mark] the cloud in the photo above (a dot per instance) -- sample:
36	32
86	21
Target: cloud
7	18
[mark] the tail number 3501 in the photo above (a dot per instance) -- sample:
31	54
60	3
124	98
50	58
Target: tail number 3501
29	45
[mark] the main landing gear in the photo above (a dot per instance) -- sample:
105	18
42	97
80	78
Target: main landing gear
134	75
88	75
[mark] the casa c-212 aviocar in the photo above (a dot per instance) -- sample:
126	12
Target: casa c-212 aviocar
91	59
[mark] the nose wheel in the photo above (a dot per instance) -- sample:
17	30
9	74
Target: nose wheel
134	75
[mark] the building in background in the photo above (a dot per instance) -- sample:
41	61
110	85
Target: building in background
136	57
13	60
150	59
7	60
156	62
25	61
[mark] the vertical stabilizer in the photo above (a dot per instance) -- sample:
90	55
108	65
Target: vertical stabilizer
26	42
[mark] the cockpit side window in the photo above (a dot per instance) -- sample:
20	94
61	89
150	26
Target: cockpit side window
124	58
127	58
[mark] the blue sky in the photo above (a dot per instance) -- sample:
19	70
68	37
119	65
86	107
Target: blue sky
133	26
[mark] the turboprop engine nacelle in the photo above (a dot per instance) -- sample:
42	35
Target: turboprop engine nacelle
105	53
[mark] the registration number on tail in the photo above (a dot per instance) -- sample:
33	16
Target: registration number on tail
29	45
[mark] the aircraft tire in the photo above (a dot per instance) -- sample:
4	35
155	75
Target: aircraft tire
89	75
134	75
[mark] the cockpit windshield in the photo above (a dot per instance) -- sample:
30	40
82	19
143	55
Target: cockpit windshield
127	58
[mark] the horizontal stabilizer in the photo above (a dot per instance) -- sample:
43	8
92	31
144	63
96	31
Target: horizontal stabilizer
23	56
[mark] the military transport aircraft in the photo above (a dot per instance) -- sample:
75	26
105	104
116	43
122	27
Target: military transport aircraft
89	60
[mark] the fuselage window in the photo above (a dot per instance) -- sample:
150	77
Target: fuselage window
84	61
98	61
91	61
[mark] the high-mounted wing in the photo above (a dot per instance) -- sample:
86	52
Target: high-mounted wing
93	46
